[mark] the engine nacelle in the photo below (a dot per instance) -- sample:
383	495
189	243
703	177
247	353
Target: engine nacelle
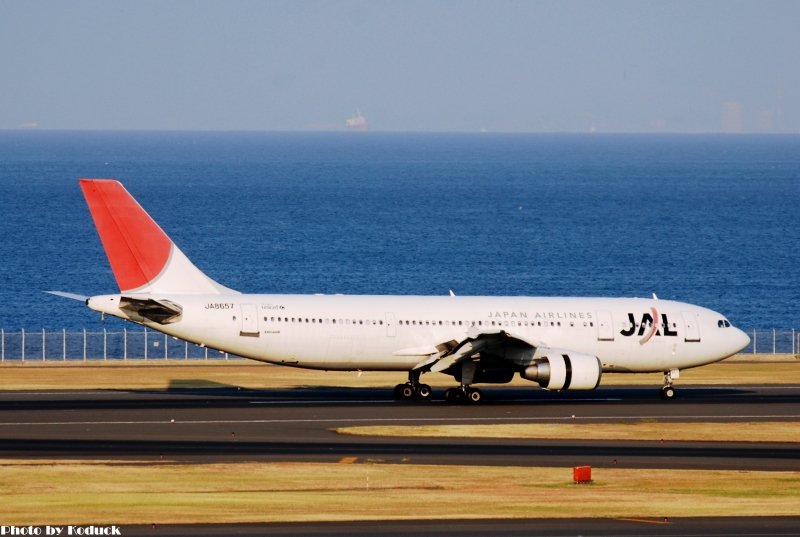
573	371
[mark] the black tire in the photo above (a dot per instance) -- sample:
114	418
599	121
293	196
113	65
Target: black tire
668	393
453	395
403	392
424	392
474	395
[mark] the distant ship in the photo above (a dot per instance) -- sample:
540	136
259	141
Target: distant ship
357	122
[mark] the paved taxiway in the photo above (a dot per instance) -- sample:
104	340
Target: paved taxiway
676	527
295	425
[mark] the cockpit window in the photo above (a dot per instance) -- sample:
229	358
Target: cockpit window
723	323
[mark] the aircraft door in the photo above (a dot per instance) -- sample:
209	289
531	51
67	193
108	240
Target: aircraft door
391	325
692	326
605	326
249	321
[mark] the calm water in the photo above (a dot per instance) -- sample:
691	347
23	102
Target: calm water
712	220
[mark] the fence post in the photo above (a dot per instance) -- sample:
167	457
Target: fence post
2	344
84	344
23	344
166	343
64	344
206	349
44	345
754	340
145	343
794	351
185	350
105	347
125	343
773	341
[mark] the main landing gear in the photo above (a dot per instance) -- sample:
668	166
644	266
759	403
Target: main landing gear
667	391
413	389
463	394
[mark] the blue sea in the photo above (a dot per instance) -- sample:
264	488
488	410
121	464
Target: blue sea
707	219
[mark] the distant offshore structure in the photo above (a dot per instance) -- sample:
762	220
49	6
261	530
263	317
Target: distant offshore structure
357	122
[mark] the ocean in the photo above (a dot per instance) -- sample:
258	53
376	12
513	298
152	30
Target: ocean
708	219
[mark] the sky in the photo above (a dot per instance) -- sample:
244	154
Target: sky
433	65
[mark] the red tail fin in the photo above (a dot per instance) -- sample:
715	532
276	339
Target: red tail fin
136	247
143	258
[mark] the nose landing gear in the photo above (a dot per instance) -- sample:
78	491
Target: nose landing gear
667	391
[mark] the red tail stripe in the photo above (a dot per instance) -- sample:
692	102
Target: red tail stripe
137	248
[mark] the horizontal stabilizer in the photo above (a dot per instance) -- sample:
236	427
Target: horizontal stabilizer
72	296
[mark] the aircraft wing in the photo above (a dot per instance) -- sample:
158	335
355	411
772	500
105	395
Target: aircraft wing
502	343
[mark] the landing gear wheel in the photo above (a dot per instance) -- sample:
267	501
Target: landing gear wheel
668	393
424	392
474	395
454	395
403	392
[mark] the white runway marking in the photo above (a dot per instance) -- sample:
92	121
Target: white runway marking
415	420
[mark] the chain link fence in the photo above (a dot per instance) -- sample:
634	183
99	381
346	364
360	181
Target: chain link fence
773	342
149	345
106	345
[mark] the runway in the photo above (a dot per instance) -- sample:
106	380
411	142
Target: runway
229	424
587	527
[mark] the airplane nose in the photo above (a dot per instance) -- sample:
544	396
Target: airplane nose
739	340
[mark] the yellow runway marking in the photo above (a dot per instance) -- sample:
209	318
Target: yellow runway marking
645	520
348	460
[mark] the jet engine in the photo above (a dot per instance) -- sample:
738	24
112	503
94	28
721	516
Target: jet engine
572	371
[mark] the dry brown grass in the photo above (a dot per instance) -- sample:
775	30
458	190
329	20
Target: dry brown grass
77	492
641	430
138	374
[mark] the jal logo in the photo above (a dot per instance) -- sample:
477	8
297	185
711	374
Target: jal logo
650	324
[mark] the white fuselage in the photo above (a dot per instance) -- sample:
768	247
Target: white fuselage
393	333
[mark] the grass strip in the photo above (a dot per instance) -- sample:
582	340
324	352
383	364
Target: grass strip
171	374
98	492
637	430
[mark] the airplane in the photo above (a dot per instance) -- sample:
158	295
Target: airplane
559	343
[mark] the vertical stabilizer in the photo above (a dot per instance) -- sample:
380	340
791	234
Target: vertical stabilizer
143	258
